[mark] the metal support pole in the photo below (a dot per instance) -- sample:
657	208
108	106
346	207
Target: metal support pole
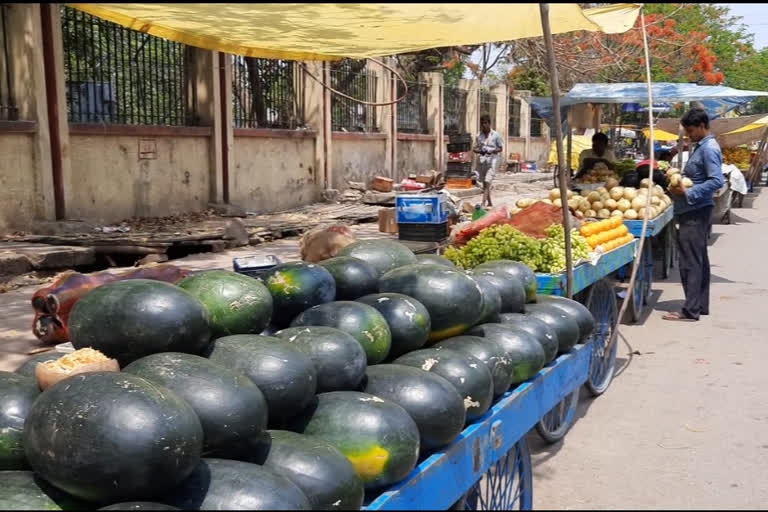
544	10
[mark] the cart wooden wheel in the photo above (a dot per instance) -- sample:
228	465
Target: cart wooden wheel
643	280
507	485
601	302
556	423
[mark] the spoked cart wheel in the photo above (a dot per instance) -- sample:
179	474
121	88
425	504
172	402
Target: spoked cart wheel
601	302
507	485
643	281
556	423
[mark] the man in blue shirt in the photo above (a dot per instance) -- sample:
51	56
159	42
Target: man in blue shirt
693	208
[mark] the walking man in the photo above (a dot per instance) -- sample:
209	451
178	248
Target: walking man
693	207
489	146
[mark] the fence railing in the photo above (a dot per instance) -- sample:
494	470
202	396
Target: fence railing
354	79
118	75
513	128
537	127
454	110
8	109
266	93
488	106
412	109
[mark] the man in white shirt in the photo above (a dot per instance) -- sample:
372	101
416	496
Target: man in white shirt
488	145
598	153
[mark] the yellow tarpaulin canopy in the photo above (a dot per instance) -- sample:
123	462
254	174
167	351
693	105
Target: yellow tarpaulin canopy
322	31
756	125
578	144
660	135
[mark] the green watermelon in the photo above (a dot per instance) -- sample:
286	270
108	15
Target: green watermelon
407	318
491	298
363	322
379	437
434	259
297	286
468	375
490	353
453	299
565	325
284	374
321	471
540	330
23	490
382	254
111	436
518	270
220	484
338	358
576	310
523	350
236	304
130	319
27	368
432	401
231	408
509	287
354	277
17	394
139	505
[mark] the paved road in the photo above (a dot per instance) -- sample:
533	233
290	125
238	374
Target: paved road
685	423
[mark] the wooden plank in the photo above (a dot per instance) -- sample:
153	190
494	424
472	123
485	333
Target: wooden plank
440	480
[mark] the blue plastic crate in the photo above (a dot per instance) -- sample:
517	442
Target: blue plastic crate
254	266
421	209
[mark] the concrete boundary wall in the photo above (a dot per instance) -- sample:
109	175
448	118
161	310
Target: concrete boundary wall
102	173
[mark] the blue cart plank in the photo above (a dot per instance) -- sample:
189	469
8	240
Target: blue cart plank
440	480
586	274
654	226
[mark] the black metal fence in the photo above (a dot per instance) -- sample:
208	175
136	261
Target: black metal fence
514	117
537	127
454	110
266	93
488	106
412	109
118	75
354	79
8	110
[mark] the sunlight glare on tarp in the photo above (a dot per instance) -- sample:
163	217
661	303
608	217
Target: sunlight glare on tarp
660	135
324	31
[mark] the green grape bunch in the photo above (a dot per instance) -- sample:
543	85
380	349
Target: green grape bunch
494	243
553	249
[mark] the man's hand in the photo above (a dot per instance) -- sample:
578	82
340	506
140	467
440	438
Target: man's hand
678	190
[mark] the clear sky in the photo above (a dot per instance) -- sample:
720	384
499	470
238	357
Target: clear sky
755	17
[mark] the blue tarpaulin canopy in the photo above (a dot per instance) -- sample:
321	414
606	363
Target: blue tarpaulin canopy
716	99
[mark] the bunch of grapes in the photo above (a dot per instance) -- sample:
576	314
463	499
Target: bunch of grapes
494	243
553	249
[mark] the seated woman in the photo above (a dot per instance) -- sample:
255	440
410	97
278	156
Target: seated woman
633	178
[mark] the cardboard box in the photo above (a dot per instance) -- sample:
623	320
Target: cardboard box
382	184
387	220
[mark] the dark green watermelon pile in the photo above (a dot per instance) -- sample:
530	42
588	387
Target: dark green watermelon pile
308	388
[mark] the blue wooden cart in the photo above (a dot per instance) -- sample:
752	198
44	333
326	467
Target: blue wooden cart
489	466
659	235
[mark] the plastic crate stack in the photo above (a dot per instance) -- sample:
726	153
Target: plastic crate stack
421	217
458	172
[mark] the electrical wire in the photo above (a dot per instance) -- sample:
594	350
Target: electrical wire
362	102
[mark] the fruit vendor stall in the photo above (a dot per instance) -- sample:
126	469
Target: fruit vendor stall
374	378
